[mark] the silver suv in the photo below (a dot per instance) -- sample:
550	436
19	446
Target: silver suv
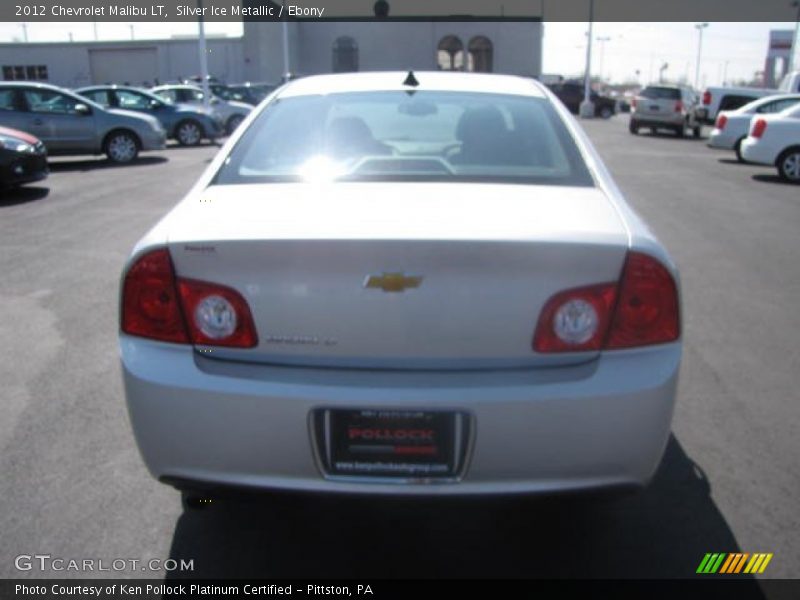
70	124
666	106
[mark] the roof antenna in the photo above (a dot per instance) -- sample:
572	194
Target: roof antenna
411	80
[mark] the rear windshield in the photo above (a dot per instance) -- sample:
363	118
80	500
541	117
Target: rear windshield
400	136
661	93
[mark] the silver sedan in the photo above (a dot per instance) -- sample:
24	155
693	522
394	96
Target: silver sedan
69	124
402	283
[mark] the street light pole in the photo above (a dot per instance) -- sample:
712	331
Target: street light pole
793	51
285	32
700	27
203	52
602	41
586	108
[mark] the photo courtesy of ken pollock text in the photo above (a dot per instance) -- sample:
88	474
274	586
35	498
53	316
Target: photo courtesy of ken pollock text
190	590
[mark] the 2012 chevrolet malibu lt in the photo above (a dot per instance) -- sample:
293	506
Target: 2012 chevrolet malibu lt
405	283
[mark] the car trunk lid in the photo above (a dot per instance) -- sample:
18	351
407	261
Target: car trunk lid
369	275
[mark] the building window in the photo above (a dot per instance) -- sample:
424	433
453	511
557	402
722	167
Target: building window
450	54
345	55
480	54
25	72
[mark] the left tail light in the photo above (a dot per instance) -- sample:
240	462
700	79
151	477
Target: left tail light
157	305
759	127
722	120
641	309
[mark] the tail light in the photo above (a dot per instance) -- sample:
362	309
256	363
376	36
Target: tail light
575	320
679	106
217	315
759	127
706	97
633	103
158	306
640	310
722	120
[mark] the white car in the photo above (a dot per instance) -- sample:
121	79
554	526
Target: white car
402	283
230	112
775	140
732	126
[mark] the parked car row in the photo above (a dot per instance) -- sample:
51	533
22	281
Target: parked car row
764	131
38	120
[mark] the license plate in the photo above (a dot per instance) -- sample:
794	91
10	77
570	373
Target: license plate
383	443
655	107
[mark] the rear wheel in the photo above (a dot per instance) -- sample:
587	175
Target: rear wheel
633	127
189	133
697	130
233	123
737	148
680	130
121	147
789	165
606	112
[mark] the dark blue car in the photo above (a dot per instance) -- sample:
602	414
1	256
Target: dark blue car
187	124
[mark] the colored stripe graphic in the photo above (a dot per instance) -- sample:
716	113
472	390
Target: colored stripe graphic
766	562
716	565
726	565
701	568
737	562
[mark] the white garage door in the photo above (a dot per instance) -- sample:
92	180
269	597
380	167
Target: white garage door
124	65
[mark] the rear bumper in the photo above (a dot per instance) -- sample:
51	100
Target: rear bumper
600	424
757	151
722	140
661	121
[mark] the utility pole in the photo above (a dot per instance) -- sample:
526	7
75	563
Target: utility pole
201	49
602	41
25	31
586	108
700	27
792	64
133	37
285	31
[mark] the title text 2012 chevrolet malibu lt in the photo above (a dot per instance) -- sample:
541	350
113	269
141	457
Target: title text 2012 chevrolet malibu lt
421	283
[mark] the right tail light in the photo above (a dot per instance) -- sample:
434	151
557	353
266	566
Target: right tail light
641	309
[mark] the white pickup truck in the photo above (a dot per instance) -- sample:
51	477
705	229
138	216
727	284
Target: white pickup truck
716	99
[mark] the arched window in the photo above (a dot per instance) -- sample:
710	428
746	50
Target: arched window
450	54
345	55
480	54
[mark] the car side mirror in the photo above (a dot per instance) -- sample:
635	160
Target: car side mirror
83	110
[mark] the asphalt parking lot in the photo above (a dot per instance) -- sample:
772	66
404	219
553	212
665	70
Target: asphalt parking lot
73	485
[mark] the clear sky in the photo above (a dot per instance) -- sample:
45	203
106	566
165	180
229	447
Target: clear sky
733	49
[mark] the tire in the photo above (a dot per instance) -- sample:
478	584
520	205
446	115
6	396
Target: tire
680	131
697	130
633	127
233	123
788	164
121	147
189	133
606	112
737	148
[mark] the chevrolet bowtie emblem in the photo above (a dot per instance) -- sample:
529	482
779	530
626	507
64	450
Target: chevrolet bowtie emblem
392	282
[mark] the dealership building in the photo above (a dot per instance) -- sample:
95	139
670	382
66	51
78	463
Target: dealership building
318	46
